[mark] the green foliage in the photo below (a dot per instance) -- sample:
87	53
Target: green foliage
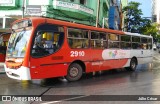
135	23
151	29
133	20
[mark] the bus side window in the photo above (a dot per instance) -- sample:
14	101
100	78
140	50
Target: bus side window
77	43
85	43
92	43
144	42
98	40
113	41
149	43
125	42
78	38
136	42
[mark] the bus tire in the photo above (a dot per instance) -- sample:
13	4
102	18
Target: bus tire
74	72
133	65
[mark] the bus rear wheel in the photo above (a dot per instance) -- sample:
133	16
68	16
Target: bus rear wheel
133	65
74	72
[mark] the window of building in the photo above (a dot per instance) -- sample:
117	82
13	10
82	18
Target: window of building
83	2
113	41
126	42
9	21
98	40
78	38
1	22
63	0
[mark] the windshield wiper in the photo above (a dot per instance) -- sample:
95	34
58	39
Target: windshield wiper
11	61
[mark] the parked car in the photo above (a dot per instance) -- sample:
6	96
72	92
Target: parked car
154	47
158	46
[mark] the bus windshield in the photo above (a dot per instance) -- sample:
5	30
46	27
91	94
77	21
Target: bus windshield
17	43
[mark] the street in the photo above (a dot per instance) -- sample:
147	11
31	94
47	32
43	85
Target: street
144	81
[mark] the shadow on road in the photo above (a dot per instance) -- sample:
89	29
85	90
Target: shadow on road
110	77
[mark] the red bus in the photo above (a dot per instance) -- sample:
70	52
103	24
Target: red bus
3	45
46	48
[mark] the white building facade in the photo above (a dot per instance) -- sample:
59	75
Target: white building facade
156	11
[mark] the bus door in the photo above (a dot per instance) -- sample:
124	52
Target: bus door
96	60
98	44
48	40
146	50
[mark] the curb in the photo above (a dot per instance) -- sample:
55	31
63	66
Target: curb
2	72
2	68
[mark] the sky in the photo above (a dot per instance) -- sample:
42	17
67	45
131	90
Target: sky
145	7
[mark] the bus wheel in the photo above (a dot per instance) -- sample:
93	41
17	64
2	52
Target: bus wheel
74	72
133	64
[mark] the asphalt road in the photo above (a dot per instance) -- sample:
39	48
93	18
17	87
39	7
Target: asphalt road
144	81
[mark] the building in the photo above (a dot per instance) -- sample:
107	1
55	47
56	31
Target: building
89	12
156	11
124	3
79	11
5	23
7	8
114	15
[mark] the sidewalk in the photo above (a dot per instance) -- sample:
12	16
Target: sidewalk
2	68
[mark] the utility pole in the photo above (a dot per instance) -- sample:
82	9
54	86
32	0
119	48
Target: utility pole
97	16
23	8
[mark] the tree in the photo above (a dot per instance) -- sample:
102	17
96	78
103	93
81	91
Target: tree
133	20
149	28
146	24
135	23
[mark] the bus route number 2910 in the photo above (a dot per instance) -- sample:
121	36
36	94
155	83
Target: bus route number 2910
77	53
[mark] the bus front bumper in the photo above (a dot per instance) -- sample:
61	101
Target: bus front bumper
22	73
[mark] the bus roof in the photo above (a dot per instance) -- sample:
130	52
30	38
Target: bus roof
69	24
76	25
136	34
